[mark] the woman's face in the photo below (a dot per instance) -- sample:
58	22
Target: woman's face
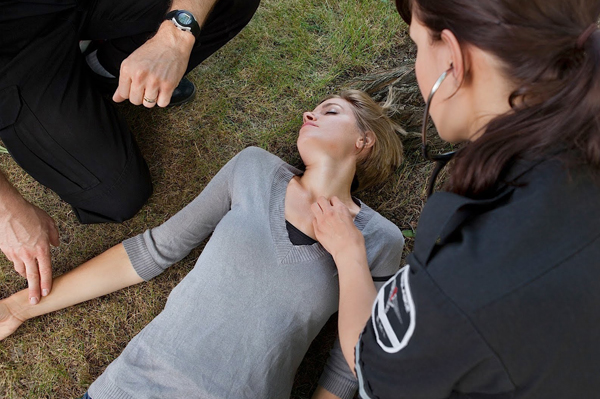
432	60
330	130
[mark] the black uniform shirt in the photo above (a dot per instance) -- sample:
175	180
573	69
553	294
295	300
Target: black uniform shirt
501	298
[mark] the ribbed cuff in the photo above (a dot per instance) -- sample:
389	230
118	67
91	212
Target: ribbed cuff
103	389
143	263
338	385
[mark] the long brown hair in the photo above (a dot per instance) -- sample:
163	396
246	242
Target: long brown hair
556	108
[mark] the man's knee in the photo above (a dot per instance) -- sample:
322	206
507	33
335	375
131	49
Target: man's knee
115	201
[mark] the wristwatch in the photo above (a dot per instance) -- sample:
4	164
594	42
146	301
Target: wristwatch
184	20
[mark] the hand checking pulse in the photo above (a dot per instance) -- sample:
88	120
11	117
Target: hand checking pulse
26	233
151	73
335	229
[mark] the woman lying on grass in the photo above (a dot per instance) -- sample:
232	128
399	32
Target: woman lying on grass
239	324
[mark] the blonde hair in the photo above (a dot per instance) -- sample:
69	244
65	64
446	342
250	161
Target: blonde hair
386	153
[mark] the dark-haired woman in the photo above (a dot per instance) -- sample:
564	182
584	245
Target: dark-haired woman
501	297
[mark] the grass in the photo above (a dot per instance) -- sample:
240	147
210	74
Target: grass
252	92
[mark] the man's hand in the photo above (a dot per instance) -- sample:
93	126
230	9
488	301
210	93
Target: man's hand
154	70
8	321
26	233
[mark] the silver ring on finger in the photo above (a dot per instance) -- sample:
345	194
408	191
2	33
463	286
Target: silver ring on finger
150	100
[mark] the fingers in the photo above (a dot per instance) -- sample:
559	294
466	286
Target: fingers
164	98
33	281
325	207
45	273
122	92
142	90
316	209
20	267
137	89
53	235
150	97
336	203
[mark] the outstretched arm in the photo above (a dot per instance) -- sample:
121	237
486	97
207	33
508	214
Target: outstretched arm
106	273
322	393
26	233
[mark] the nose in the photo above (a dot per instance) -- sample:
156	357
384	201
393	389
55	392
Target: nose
308	116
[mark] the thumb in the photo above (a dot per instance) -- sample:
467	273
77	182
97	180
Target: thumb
117	97
53	235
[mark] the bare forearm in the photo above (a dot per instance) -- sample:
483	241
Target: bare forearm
8	195
106	273
322	393
199	8
357	294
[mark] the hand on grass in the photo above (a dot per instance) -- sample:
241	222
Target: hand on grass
154	70
335	229
26	233
8	321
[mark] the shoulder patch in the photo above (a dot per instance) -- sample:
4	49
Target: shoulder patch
393	314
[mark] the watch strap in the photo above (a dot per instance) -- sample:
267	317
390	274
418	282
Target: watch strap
194	26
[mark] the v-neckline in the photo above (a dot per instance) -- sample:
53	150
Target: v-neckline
286	251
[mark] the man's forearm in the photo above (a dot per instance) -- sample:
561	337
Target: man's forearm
9	196
199	8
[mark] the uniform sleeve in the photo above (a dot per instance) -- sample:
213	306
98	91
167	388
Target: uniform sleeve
384	251
418	344
158	248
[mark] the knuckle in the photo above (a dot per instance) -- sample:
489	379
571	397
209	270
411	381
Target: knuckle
32	276
24	255
168	86
152	81
140	75
45	274
42	248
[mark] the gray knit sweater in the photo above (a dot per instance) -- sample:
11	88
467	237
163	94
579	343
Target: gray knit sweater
239	324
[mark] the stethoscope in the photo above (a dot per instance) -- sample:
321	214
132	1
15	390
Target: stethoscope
440	159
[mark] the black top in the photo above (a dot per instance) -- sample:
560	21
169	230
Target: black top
297	237
501	298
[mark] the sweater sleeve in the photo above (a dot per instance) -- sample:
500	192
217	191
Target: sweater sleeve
158	248
384	243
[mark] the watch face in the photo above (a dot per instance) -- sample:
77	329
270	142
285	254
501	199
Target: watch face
184	19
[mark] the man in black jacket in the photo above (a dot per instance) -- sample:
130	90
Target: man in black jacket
59	127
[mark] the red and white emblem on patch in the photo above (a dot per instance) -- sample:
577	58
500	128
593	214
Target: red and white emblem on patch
393	314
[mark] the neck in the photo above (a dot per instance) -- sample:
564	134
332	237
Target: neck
325	178
328	179
490	94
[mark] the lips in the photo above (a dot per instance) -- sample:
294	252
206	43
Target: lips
308	124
